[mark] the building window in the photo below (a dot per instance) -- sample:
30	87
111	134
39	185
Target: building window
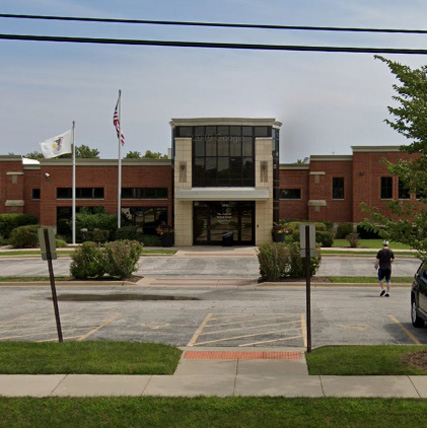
290	193
337	188
146	217
36	193
386	187
81	193
223	156
144	193
404	192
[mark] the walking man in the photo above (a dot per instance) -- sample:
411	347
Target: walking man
385	258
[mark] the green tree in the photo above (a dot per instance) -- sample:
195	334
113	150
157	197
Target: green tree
82	152
154	155
408	220
133	155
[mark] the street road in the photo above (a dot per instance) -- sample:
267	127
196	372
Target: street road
214	267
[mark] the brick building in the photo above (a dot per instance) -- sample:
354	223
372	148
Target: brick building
224	175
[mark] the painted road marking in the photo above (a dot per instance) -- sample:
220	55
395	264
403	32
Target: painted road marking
270	328
34	326
405	330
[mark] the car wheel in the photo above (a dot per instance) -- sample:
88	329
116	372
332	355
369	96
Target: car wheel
416	320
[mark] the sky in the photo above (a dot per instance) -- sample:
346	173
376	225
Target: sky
327	102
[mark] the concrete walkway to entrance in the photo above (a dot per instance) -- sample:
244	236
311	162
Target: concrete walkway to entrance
221	372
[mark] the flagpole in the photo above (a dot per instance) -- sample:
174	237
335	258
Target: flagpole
119	181
73	209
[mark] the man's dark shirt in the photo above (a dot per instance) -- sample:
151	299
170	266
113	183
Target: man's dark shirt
385	256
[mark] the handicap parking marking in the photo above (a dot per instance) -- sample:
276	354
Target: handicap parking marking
404	329
42	328
250	329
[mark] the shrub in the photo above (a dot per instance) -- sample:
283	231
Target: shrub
99	236
122	258
100	220
60	243
127	232
8	222
281	260
353	239
325	238
366	233
343	230
24	237
88	261
149	240
329	226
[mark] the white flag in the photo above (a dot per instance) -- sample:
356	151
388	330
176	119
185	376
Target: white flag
57	146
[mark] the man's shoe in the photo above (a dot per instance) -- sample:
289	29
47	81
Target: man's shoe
387	295
382	293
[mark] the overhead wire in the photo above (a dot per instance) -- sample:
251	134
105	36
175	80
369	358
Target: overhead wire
215	24
213	45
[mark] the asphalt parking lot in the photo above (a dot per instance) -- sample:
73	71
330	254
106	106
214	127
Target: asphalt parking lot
241	315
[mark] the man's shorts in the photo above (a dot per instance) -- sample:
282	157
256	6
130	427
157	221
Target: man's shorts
384	273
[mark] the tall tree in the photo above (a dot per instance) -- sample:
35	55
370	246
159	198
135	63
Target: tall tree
148	155
408	222
83	152
133	155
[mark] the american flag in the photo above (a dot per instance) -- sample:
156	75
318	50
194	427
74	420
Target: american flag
116	123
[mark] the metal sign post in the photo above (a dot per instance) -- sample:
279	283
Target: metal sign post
46	237
308	245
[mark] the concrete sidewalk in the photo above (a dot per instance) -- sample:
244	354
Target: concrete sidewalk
221	372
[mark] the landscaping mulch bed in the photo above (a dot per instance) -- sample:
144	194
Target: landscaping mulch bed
417	359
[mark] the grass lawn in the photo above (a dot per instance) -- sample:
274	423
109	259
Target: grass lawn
362	360
211	412
61	252
92	357
371	243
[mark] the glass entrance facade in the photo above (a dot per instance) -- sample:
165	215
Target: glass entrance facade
213	219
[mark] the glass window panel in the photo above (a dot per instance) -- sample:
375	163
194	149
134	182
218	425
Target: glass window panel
210	131
248	146
185	131
235	131
199	130
404	192
290	193
127	192
223	146
337	188
235	168
210	146
223	130
98	192
235	146
248	172
199	146
199	172
262	131
211	171
223	171
386	187
36	193
247	131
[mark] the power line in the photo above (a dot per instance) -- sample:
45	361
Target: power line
213	45
215	24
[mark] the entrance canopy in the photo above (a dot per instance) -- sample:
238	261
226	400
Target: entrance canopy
223	193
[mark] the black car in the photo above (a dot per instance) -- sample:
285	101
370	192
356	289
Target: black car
419	297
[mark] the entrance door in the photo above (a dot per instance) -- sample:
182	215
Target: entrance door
212	219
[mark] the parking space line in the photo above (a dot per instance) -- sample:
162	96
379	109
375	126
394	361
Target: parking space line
40	334
270	341
405	330
247	335
104	324
247	328
196	335
245	321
